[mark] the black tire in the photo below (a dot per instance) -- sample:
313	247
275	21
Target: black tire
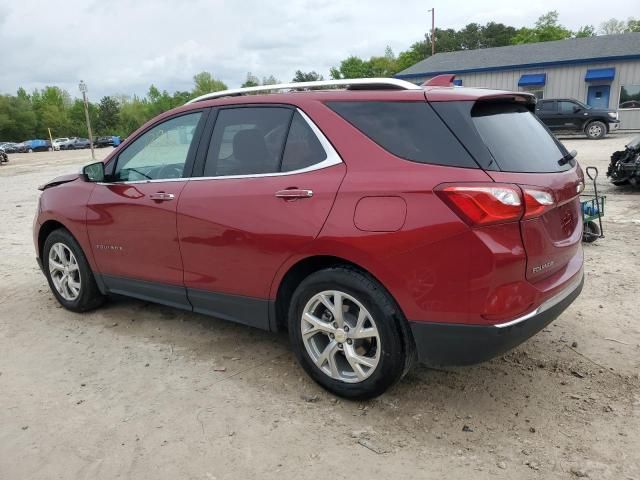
595	130
591	232
89	296
397	351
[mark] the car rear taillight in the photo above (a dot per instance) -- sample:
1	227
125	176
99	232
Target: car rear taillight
483	204
488	204
537	201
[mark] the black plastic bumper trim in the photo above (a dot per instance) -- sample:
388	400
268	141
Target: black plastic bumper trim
447	344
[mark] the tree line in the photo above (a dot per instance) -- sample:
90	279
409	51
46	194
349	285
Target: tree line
29	115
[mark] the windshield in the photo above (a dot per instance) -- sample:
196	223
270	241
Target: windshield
517	140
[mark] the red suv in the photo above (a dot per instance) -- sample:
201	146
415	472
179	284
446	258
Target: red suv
378	224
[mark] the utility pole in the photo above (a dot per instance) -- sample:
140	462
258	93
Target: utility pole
83	89
433	31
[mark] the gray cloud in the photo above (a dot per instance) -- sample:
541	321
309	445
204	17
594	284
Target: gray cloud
122	46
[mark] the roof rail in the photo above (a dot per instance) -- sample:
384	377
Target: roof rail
357	83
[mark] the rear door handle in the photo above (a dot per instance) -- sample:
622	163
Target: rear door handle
293	193
162	196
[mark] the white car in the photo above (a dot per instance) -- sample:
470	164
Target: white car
58	141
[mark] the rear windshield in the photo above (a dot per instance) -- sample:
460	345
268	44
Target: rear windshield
517	140
410	130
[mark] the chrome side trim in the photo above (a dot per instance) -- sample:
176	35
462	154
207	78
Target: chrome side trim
372	82
136	182
575	283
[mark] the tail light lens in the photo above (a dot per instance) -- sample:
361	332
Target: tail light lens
488	204
483	204
537	201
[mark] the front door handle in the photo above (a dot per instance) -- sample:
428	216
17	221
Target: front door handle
162	196
294	193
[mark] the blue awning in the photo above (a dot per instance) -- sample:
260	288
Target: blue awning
457	82
532	79
600	74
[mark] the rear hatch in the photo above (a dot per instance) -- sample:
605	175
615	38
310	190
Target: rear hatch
513	147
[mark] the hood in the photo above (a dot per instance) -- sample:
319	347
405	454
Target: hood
60	180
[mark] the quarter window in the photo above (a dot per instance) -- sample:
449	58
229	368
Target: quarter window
410	130
303	149
159	153
629	96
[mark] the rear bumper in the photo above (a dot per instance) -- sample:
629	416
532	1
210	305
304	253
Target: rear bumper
454	344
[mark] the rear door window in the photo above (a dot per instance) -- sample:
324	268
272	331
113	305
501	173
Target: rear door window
517	140
410	130
566	107
247	141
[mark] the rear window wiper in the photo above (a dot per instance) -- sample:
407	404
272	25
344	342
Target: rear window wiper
567	158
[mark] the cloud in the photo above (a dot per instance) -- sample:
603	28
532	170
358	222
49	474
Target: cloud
122	47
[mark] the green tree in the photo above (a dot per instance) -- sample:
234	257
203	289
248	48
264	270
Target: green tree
270	80
547	28
312	76
206	83
613	26
251	81
417	52
497	35
108	116
352	67
585	31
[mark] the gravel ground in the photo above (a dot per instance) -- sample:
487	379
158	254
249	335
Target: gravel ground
136	390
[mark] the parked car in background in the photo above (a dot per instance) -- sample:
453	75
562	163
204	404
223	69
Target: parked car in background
37	145
376	225
9	147
107	141
13	147
75	143
59	141
570	115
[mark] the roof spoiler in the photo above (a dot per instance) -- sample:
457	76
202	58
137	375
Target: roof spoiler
444	80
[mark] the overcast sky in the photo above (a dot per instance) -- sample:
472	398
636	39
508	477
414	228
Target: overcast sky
121	47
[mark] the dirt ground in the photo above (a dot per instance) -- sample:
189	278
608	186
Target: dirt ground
136	390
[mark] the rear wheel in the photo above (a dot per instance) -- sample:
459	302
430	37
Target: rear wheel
68	273
344	329
595	130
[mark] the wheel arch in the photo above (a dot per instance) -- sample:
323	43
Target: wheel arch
310	264
304	267
45	230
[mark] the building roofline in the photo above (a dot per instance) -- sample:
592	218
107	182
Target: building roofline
524	66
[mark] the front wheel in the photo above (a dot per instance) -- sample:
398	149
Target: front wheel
346	333
68	273
595	130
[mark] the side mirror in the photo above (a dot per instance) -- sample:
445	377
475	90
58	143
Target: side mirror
576	109
94	172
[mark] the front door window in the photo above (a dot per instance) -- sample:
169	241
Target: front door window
160	153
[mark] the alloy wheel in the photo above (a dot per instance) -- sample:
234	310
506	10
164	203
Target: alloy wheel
594	130
64	271
340	336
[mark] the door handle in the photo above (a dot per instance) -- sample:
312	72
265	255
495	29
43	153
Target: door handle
294	193
162	196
